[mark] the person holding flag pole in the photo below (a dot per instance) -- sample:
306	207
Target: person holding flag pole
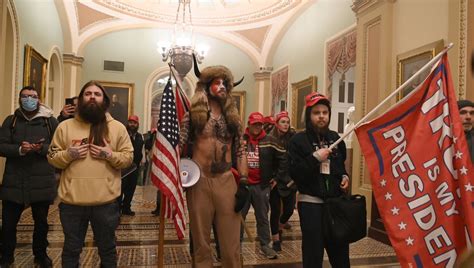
424	193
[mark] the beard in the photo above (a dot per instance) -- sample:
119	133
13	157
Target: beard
321	131
218	99
92	112
132	130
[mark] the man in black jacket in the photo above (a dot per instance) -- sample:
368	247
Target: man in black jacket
28	179
129	183
319	173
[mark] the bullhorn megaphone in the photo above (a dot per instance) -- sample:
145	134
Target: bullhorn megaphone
190	172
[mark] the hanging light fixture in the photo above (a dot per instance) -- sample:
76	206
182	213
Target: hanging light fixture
181	49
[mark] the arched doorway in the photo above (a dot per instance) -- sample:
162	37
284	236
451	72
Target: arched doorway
54	94
154	87
8	67
157	93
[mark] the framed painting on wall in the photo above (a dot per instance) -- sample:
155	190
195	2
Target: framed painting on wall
410	62
299	91
34	71
239	99
121	99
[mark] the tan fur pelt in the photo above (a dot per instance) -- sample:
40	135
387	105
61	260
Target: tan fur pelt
200	105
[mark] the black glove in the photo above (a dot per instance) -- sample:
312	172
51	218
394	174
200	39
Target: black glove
241	196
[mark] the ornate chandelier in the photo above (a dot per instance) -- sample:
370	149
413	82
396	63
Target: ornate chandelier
180	51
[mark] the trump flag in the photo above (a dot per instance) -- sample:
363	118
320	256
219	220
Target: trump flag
421	173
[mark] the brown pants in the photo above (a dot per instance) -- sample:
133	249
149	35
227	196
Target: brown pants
212	199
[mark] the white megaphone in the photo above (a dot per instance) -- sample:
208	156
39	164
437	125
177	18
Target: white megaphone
190	172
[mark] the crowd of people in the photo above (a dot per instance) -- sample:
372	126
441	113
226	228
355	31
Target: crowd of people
97	160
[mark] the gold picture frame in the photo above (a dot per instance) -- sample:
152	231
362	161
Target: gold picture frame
239	99
299	90
410	62
121	99
34	71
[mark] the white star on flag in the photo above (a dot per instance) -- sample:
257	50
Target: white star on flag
402	225
395	211
469	187
383	182
388	196
463	170
455	139
458	155
409	241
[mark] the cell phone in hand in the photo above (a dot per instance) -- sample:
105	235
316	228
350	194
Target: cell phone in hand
84	141
69	101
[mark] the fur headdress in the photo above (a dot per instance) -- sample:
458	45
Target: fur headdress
200	105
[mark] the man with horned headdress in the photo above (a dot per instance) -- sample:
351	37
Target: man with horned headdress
212	130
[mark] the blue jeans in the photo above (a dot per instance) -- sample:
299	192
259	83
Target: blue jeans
104	220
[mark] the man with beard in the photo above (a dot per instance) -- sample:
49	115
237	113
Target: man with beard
91	149
28	179
129	183
213	131
466	112
319	173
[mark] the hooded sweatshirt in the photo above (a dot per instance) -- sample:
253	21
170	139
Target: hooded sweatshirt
253	156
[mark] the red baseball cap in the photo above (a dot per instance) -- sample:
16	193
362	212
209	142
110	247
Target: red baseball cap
256	117
133	118
314	98
281	114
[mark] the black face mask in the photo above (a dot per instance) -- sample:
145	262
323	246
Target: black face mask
92	112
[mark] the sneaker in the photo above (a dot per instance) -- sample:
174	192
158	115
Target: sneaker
128	212
276	246
6	263
43	262
268	252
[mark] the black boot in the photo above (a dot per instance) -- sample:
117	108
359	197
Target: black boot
43	262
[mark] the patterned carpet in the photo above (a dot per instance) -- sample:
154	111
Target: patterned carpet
137	240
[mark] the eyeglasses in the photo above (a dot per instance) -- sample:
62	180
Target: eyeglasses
28	96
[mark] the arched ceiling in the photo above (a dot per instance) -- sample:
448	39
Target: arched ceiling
254	26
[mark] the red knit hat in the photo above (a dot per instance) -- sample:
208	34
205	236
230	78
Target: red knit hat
134	118
269	120
280	115
256	117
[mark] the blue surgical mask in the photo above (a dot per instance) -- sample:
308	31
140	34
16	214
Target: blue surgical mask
29	104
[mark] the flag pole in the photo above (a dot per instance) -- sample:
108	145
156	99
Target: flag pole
394	93
161	233
175	75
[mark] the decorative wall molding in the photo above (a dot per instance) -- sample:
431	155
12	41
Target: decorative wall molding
262	75
72	59
462	49
16	45
278	8
361	6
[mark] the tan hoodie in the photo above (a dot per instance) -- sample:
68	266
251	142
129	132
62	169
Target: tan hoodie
89	181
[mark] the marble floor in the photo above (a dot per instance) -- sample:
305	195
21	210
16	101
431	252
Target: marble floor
137	240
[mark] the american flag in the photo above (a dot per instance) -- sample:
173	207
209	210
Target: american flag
165	164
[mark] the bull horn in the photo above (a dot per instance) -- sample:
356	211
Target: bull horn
238	82
196	67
